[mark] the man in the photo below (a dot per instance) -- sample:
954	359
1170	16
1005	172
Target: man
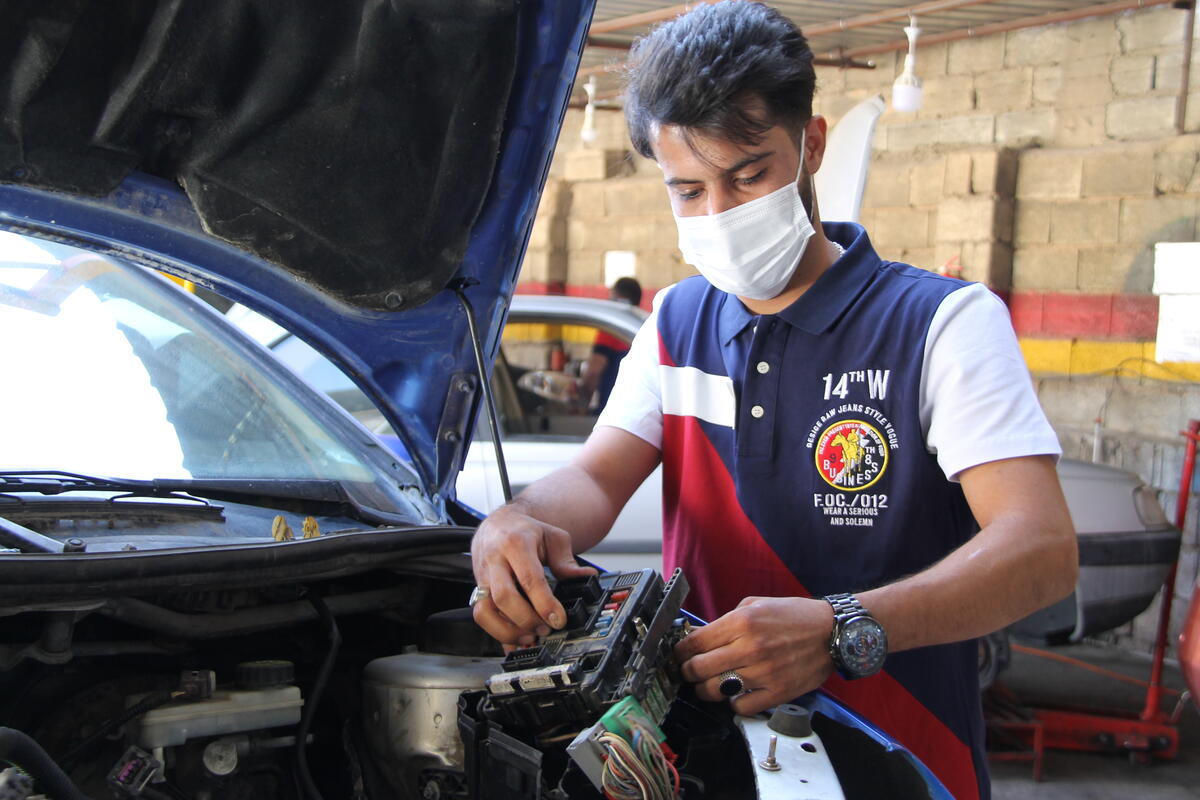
832	426
600	374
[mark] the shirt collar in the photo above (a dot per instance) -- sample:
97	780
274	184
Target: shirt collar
817	309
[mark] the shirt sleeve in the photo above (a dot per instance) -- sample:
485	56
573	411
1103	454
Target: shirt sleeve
635	404
977	402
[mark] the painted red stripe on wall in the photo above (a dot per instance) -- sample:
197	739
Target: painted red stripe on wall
1123	317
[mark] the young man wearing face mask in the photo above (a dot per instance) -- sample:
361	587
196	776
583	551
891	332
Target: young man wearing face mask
834	428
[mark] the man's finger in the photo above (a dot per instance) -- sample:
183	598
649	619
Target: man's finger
505	593
753	678
499	627
759	700
705	638
561	559
545	605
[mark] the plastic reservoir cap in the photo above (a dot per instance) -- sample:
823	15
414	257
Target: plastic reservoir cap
791	720
266	673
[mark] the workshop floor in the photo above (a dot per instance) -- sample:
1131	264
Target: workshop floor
1097	776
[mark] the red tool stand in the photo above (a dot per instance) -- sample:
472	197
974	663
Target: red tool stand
1150	734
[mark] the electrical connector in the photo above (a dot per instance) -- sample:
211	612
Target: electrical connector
133	772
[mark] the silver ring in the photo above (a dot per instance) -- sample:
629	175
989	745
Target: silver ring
477	594
731	684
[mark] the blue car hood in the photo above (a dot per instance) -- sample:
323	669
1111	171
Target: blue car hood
339	167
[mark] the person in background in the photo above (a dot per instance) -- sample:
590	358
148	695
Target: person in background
600	372
858	479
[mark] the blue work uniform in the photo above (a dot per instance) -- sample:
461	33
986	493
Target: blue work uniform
824	483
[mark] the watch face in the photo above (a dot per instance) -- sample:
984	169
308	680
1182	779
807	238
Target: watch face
862	645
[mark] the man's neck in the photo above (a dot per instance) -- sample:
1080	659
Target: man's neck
818	257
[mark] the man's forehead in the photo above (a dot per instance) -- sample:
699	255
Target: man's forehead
678	149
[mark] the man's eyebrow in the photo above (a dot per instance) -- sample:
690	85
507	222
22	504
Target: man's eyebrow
738	167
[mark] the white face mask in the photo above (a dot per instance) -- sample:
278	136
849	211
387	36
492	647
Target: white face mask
751	250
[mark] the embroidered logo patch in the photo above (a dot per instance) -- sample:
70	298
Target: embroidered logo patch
851	455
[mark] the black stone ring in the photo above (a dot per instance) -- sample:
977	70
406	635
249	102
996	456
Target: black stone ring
731	684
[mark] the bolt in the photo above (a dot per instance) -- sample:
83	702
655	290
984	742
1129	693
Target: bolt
74	545
463	385
769	763
452	437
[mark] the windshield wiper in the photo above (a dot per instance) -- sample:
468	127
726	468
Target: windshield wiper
53	482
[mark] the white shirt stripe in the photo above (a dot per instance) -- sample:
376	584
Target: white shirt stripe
689	392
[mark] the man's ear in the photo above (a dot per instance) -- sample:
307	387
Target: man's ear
815	133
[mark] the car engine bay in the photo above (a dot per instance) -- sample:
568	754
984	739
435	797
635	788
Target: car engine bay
375	682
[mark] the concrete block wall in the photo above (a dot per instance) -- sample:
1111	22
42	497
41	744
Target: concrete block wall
946	210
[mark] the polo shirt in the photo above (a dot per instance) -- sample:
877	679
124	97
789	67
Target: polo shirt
816	451
613	349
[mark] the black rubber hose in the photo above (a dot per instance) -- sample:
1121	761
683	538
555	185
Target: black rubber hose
310	706
20	750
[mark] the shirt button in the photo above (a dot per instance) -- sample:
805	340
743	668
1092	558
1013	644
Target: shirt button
757	412
763	368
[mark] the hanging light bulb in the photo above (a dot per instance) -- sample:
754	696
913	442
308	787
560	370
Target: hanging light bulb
906	91
588	133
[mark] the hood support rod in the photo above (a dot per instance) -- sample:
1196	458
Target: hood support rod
489	400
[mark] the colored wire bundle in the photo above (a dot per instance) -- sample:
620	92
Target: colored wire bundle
639	770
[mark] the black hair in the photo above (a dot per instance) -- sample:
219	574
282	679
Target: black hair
699	71
629	289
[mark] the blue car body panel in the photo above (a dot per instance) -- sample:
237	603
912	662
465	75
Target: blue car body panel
409	363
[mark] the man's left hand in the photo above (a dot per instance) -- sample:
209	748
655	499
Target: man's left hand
779	645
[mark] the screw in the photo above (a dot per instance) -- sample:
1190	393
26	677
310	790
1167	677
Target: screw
769	763
393	300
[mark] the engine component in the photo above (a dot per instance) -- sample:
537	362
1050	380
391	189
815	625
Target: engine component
134	772
227	711
618	642
265	674
411	703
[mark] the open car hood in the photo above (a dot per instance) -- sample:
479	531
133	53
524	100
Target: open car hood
338	167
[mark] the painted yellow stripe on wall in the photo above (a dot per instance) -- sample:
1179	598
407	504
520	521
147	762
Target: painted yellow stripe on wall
1089	357
541	332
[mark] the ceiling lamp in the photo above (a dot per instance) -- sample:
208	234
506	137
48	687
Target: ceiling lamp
906	91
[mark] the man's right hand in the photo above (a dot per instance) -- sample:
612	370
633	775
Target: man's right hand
507	555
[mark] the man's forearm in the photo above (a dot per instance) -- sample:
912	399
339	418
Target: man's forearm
569	498
1024	558
1004	573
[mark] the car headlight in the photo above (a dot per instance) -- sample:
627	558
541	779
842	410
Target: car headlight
1149	510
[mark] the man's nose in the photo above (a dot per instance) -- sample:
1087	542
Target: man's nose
720	199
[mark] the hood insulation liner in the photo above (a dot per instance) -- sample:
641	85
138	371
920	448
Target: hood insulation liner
350	142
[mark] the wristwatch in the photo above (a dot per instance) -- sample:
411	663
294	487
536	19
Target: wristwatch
858	643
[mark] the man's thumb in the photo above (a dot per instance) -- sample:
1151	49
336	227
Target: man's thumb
562	561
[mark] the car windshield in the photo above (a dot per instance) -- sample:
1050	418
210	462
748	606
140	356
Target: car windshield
113	371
